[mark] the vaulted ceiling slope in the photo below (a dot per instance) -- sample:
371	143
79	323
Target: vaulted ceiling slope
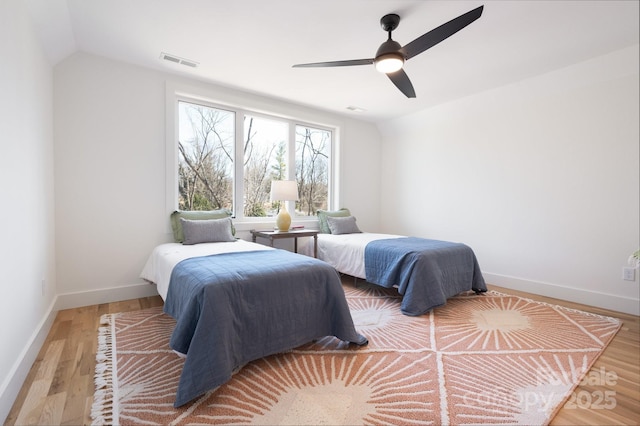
252	44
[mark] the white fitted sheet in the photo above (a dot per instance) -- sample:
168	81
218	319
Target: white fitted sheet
345	252
165	256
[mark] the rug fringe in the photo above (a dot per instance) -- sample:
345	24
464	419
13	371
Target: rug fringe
102	407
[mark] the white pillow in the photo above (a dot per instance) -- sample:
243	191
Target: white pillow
206	231
342	225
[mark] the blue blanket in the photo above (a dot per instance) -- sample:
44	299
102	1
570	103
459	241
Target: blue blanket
427	272
234	308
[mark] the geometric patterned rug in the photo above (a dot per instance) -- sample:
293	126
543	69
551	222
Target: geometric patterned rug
489	358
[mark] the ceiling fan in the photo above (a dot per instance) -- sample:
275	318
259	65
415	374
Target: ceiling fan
390	56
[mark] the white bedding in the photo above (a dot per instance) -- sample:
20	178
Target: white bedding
165	256
345	252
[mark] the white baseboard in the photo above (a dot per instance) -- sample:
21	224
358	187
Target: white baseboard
10	388
104	295
612	302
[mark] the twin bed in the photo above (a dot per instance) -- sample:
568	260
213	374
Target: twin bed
425	272
235	301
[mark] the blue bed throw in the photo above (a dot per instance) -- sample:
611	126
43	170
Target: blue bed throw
234	308
427	272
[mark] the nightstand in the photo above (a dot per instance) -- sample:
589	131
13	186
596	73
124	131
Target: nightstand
294	233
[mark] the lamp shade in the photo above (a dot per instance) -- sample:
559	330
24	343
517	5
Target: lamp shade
284	190
388	57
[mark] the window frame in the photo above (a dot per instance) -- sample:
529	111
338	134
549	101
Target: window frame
174	94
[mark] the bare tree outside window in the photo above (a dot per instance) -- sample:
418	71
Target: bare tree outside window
205	168
264	160
313	147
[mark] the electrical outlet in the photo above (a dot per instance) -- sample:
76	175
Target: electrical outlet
44	285
628	273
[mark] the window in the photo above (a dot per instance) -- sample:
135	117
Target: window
313	151
206	141
227	158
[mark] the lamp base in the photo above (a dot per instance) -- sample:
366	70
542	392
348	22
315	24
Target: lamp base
283	220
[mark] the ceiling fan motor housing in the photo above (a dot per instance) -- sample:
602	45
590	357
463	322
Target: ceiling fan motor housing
389	46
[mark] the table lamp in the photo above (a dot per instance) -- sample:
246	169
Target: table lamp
284	190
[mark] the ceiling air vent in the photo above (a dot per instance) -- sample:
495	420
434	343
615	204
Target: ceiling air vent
355	108
178	60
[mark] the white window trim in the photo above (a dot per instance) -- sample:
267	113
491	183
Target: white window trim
175	92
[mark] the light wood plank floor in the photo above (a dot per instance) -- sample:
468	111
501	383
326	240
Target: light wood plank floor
59	388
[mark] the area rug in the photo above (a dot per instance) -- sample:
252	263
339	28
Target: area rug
490	358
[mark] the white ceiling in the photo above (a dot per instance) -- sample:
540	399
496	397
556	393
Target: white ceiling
252	44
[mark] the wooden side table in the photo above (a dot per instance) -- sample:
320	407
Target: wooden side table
294	233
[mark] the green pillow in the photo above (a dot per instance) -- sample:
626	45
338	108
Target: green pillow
178	234
322	218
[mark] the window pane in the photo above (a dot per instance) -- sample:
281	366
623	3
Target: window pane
313	149
205	166
265	159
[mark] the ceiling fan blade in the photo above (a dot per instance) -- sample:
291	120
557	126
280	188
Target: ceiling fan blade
437	35
402	82
336	63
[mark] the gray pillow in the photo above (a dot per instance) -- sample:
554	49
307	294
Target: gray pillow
324	214
206	231
342	225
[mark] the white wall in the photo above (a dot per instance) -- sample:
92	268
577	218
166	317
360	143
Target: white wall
540	178
110	171
26	201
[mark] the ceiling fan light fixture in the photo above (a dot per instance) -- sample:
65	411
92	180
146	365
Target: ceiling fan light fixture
389	62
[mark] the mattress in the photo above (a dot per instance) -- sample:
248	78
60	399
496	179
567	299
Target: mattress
164	257
345	252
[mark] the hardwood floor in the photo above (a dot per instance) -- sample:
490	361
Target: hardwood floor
59	387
